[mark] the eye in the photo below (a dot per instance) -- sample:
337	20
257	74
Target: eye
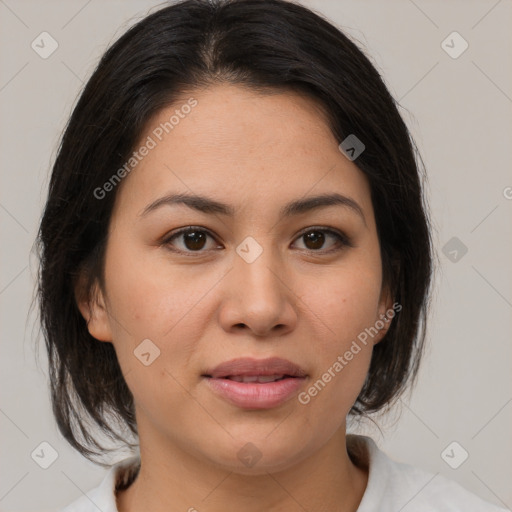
193	239
315	238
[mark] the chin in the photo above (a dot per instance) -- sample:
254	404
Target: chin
259	453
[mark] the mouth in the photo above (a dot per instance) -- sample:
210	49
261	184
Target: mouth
256	384
274	367
261	379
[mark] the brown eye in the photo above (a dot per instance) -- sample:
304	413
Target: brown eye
192	240
314	239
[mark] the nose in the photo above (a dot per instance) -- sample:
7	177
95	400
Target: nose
258	297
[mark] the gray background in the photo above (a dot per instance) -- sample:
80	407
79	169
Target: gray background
459	111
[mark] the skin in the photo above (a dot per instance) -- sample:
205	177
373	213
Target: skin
255	152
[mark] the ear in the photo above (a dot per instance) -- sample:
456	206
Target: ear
386	312
92	307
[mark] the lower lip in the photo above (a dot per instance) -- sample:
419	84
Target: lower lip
255	395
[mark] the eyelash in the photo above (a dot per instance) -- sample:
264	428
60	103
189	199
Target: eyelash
342	240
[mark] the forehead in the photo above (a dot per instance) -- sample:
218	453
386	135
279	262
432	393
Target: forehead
235	117
242	145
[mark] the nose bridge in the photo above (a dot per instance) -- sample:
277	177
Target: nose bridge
258	266
258	297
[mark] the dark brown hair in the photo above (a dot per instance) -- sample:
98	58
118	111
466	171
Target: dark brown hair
264	45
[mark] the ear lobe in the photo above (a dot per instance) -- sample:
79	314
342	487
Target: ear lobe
383	321
93	309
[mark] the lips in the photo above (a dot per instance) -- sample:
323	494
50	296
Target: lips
256	384
248	367
262	379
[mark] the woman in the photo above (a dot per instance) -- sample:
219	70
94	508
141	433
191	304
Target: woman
236	258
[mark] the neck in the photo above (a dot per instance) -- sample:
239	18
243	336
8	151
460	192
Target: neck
171	480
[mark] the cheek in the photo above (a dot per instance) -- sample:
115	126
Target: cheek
147	295
347	305
347	302
343	307
151	300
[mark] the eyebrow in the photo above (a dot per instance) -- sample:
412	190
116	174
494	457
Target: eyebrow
211	206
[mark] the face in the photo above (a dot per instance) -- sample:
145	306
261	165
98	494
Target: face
251	279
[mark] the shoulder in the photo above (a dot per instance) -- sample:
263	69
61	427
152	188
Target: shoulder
103	497
396	486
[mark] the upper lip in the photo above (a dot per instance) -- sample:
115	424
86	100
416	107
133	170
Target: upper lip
247	366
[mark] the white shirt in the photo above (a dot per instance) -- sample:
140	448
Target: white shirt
392	486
